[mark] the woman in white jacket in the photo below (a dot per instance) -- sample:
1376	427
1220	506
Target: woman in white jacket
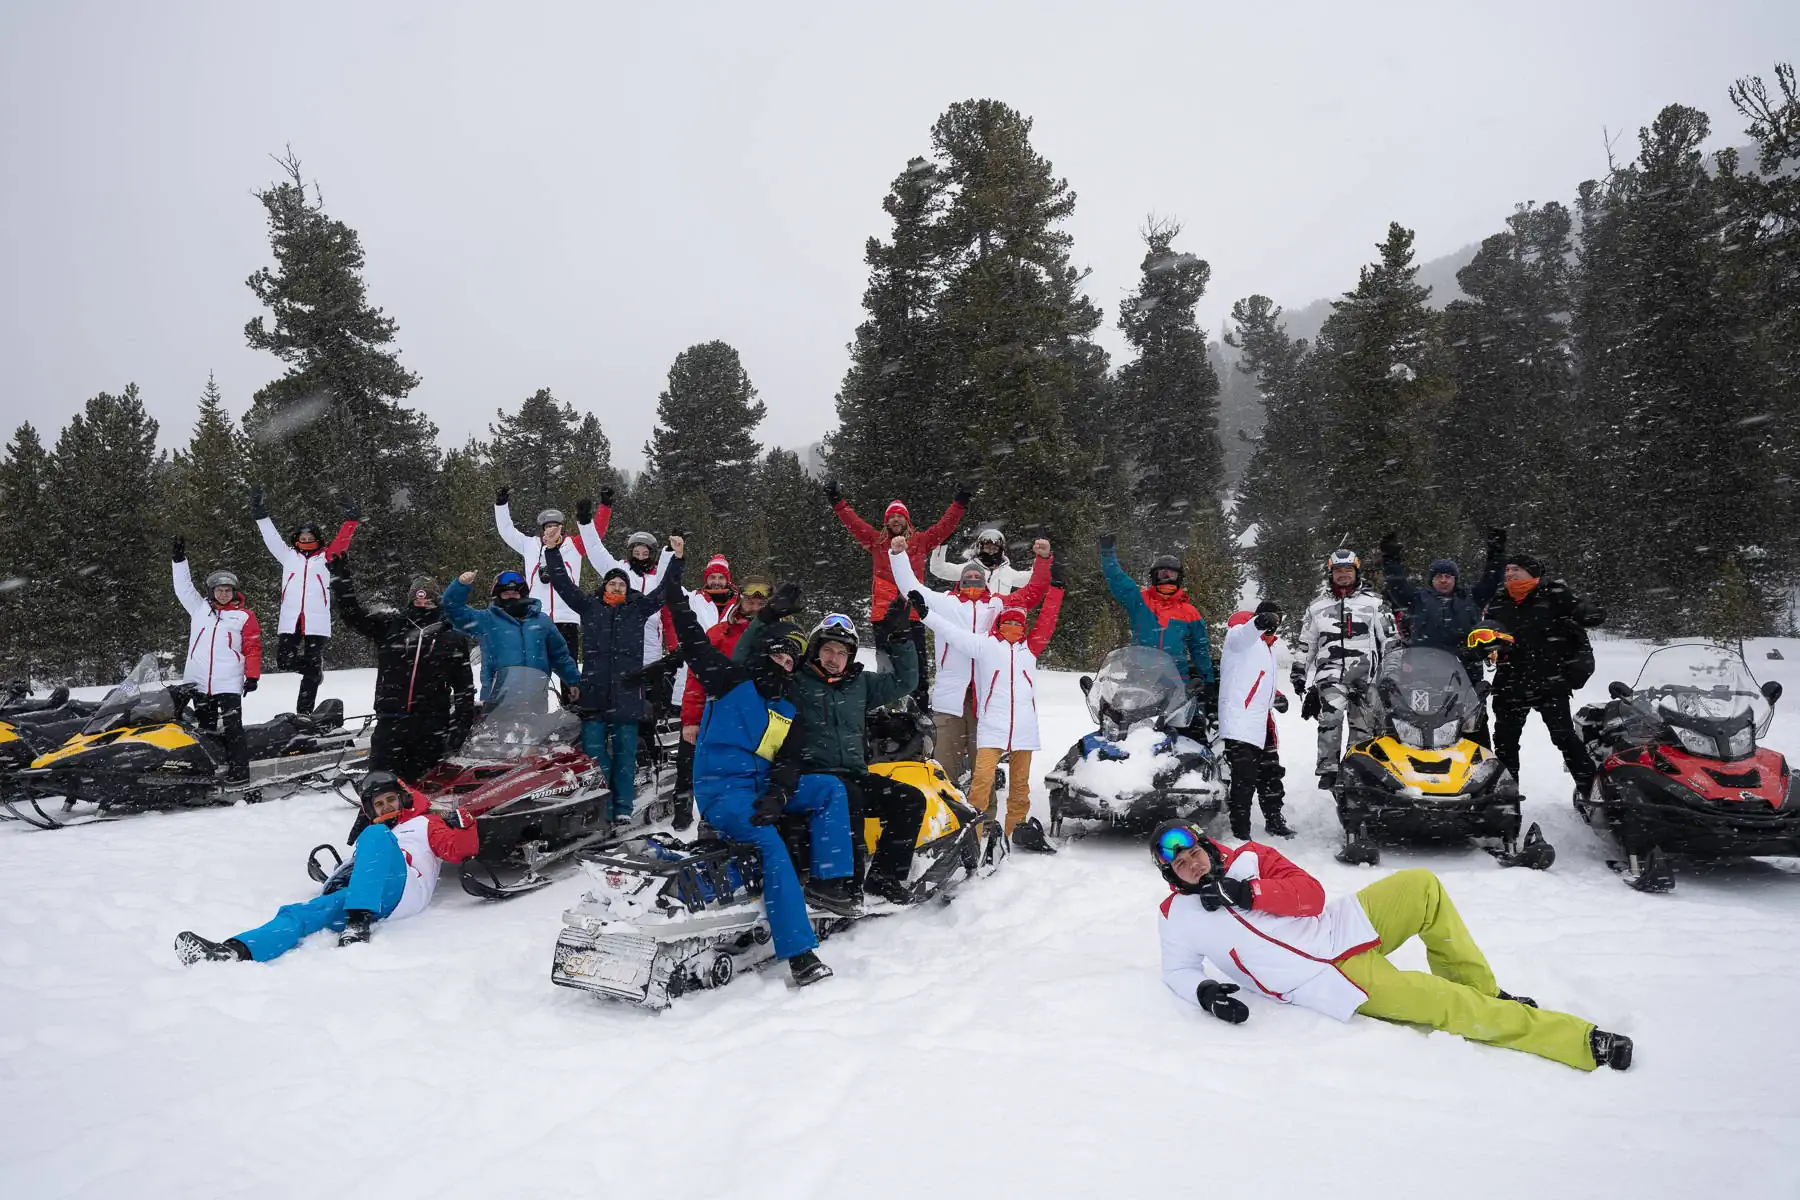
530	549
1247	675
224	654
305	624
989	554
1006	666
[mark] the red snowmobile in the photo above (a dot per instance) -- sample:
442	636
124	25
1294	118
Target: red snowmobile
1680	769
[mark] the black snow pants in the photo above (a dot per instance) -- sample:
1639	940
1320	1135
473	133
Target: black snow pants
1254	771
572	635
408	744
305	653
922	693
1510	711
900	807
226	707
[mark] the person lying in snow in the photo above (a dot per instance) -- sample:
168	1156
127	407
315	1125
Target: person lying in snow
392	873
1263	923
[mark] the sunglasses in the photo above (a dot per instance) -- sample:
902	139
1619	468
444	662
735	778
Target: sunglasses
837	621
1174	842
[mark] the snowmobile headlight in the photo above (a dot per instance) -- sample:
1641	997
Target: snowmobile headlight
1742	743
1446	735
1695	743
1411	734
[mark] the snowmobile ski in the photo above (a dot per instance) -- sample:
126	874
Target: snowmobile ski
1532	851
1650	873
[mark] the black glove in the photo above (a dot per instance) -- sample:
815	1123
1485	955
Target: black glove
584	512
633	677
1496	541
963	494
1390	546
1309	704
352	510
917	600
1280	703
1108	541
606	497
768	806
456	818
339	563
502	495
896	622
258	511
1297	677
178	550
831	492
782	604
1216	998
1056	575
249	686
1216	891
1268	622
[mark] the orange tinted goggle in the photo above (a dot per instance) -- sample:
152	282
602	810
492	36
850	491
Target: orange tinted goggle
1487	637
756	591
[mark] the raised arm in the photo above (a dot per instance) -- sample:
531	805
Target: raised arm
717	673
341	542
940	566
885	687
509	533
1034	590
905	578
946	525
1199	651
1400	590
457	610
1492	569
184	585
558	575
596	551
271	537
669	590
937	619
1123	587
1044	628
349	606
865	534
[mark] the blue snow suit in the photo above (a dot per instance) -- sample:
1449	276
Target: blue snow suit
1442	622
1168	623
744	751
612	640
377	881
508	641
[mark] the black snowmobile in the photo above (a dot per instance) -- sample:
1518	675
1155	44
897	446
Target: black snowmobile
143	749
33	727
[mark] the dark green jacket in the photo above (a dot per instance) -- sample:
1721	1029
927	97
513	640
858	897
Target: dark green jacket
830	717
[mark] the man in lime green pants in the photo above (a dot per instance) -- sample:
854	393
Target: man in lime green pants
1262	922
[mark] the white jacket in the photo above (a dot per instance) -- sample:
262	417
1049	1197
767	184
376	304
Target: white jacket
1247	682
603	561
1003	580
1339	632
530	549
224	644
305	580
708	613
955	667
1292	959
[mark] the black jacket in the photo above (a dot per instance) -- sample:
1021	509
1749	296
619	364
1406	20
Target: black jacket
1442	622
1550	650
612	640
421	663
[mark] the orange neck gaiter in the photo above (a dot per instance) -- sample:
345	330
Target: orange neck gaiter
1518	589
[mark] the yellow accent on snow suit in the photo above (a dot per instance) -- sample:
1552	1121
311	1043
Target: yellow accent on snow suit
1459	995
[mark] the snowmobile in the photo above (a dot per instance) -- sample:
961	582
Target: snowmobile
1153	758
1424	778
667	917
31	728
1680	769
142	748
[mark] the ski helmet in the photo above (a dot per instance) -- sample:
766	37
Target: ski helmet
836	627
1171	838
423	585
1343	556
551	516
1164	564
642	538
990	536
509	581
375	785
220	579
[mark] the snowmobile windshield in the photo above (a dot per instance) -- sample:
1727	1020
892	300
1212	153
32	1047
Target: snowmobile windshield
1138	685
519	717
139	699
1707	696
1426	695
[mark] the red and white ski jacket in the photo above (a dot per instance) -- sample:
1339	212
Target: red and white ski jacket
530	549
956	668
428	843
645	583
1286	946
224	644
305	580
1247	679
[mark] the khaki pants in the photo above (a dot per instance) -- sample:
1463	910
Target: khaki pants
1018	785
1459	995
955	738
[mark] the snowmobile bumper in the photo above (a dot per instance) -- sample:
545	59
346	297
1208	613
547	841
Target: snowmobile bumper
1646	810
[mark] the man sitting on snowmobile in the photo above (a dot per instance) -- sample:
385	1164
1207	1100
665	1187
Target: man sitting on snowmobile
833	696
1441	615
224	658
897	522
550	526
988	553
747	775
305	624
1247	675
512	632
392	872
1341	642
1548	658
1265	925
424	687
1161	615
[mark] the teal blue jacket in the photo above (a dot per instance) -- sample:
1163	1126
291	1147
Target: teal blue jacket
1169	623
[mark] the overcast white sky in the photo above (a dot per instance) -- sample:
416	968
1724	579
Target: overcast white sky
567	195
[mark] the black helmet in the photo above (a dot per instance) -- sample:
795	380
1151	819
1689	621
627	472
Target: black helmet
509	580
305	527
374	784
1170	839
836	627
1166	562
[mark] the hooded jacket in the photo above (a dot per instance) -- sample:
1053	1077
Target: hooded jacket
876	541
642	582
421	663
508	641
1247	682
530	549
612	639
305	579
955	666
1168	623
1341	632
831	715
224	644
1550	651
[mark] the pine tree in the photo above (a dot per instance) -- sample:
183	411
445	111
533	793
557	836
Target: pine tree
206	498
463	526
29	560
704	446
588	467
794	538
535	452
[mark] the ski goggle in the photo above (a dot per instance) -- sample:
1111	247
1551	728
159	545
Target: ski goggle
509	579
1175	842
838	621
1484	636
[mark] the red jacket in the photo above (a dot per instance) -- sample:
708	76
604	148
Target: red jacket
919	546
724	637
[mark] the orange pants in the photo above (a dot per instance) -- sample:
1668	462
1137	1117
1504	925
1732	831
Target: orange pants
1018	784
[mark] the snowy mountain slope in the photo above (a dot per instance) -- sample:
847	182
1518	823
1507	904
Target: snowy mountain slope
1017	1042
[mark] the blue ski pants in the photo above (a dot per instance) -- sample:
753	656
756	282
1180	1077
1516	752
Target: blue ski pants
613	744
728	810
377	881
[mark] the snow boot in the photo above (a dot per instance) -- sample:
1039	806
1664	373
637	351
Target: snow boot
1275	823
1327	780
684	811
834	895
1610	1049
1240	825
1029	835
191	948
806	968
1527	1001
356	927
891	890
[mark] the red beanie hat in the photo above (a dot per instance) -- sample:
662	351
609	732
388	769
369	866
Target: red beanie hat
716	563
896	507
1012	613
1239	617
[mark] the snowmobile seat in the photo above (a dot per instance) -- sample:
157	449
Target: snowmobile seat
328	715
277	735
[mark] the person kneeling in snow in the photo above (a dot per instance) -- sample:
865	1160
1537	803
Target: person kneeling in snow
392	872
1265	924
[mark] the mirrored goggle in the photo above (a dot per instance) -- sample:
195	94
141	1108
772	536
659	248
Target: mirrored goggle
837	621
1175	841
1487	637
756	591
510	579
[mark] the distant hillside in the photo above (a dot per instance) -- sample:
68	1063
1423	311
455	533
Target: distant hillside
1439	275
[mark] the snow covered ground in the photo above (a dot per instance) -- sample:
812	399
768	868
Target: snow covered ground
1015	1043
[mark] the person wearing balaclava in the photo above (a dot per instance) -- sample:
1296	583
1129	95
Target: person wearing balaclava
551	524
513	632
424	687
988	554
305	624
